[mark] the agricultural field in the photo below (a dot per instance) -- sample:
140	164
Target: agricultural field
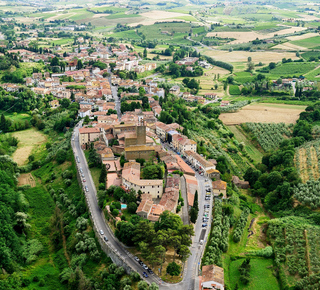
234	90
242	56
252	150
244	37
268	135
263	113
311	43
307	160
296	248
29	142
293	69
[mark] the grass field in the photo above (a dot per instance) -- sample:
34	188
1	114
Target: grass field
293	68
16	116
255	154
29	141
263	113
234	90
261	275
312	42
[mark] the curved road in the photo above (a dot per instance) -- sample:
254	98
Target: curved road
97	214
192	265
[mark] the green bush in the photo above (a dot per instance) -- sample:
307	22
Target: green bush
173	269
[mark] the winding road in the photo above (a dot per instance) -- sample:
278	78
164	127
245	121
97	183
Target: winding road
191	267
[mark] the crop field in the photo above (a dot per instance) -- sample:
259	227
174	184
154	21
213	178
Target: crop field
268	135
234	90
242	56
296	248
261	275
307	161
263	113
151	17
302	36
28	141
243	37
293	68
312	42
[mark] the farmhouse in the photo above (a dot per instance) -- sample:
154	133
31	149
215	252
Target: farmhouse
219	187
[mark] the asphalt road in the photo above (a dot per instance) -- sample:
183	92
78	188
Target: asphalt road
97	214
114	91
191	266
191	269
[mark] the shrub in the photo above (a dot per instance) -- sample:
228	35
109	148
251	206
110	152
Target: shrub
173	269
115	212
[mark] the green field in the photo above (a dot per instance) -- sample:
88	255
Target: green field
293	68
234	90
312	42
261	275
255	154
16	116
243	77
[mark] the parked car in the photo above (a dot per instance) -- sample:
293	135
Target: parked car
141	263
137	259
145	275
150	271
101	232
204	225
144	266
105	238
84	180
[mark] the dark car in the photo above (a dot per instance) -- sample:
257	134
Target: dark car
204	225
150	271
145	275
105	238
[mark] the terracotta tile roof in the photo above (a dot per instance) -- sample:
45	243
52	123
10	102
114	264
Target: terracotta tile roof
89	130
219	184
212	273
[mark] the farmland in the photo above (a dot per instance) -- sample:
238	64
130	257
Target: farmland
312	42
296	248
293	69
263	113
29	141
268	135
307	160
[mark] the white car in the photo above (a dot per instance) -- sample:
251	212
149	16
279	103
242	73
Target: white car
101	232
